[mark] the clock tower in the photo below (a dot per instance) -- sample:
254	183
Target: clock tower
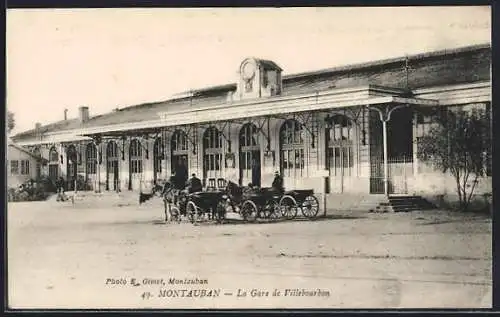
258	78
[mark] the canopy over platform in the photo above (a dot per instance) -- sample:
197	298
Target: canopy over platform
274	107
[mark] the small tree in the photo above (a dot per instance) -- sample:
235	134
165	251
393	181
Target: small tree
11	123
460	143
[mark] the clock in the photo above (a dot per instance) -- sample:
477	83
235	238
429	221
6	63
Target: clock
248	71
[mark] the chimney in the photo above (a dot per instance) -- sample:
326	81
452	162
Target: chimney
65	114
38	127
84	114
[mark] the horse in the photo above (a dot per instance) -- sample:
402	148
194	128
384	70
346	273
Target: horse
170	198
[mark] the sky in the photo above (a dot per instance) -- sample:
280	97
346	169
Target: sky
109	58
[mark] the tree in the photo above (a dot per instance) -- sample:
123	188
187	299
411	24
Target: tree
459	142
11	123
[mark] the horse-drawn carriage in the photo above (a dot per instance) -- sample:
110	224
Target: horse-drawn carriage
263	203
267	203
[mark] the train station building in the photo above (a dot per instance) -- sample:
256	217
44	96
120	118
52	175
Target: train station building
324	130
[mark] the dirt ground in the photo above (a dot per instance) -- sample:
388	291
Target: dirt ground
63	257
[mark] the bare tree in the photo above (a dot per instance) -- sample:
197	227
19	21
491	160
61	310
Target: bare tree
460	143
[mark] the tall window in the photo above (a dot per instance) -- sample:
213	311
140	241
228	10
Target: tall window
249	149
426	120
179	148
339	135
38	165
14	167
91	156
72	163
292	149
25	167
53	163
111	153
212	150
157	155
135	157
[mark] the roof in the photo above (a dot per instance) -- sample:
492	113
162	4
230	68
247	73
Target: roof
439	68
268	64
20	148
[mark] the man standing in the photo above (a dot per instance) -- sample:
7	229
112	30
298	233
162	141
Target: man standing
255	172
60	189
277	185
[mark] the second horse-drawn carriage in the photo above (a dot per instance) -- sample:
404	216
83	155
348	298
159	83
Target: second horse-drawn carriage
251	203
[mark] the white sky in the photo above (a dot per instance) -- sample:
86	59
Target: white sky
108	58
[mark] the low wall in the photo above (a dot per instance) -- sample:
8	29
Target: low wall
441	189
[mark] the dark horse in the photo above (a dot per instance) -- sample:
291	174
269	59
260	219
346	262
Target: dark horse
234	194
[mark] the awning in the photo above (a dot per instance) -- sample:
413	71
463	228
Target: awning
321	101
243	111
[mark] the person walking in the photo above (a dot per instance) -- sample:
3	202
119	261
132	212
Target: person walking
60	189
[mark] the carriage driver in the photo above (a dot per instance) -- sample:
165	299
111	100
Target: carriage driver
194	184
277	185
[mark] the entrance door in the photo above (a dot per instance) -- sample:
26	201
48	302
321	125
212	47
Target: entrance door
212	155
339	154
135	165
112	175
340	165
71	166
250	165
179	151
250	168
53	164
157	159
112	171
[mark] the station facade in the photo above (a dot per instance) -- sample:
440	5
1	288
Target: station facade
351	129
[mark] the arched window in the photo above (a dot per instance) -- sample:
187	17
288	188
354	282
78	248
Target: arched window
249	152
212	152
292	149
53	163
340	128
135	157
179	148
91	158
53	156
112	151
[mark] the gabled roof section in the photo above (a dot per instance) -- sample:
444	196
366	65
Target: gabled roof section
58	125
20	148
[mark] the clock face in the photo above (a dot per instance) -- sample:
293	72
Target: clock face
248	70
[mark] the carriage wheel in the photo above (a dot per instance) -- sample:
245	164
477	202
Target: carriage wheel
192	211
310	207
288	207
266	211
176	214
249	211
275	211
